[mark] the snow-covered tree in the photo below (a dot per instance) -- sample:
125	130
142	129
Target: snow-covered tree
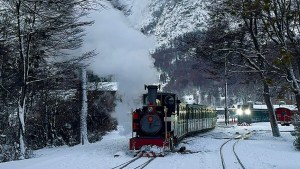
37	34
281	23
247	46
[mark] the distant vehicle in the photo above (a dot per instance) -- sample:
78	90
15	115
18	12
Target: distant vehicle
259	112
284	115
244	115
163	121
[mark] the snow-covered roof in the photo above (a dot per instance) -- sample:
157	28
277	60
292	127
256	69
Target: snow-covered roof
102	86
292	107
189	99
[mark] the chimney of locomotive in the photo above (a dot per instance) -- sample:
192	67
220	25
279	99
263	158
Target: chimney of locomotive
152	93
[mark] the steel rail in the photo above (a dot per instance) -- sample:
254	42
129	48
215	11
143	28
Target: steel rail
239	137
123	165
145	163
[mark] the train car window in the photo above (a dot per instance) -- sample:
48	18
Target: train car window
189	116
201	113
208	113
193	116
194	113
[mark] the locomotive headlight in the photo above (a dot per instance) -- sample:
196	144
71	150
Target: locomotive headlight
239	111
247	112
150	109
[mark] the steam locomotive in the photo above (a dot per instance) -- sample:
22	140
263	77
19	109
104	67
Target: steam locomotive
163	121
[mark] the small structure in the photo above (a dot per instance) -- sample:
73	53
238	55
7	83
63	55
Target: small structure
285	115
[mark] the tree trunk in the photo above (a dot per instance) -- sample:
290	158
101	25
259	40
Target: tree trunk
21	118
298	102
83	117
23	87
273	121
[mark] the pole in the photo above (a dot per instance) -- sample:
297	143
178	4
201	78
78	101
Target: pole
225	79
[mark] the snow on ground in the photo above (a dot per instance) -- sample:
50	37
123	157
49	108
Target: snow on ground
260	151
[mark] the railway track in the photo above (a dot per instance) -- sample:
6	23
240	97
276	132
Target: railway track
130	163
232	160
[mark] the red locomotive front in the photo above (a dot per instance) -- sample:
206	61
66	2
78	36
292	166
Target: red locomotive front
152	125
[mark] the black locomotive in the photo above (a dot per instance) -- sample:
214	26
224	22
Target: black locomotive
163	121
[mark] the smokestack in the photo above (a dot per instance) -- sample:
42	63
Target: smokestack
152	93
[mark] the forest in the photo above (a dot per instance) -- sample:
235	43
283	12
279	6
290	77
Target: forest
40	78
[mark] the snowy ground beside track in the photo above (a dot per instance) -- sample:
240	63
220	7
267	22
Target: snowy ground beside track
260	151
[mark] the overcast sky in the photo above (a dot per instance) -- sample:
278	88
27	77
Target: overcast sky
123	52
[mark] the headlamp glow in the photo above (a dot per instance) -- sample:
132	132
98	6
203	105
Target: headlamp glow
239	112
247	112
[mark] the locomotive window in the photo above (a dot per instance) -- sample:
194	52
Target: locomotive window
169	100
145	100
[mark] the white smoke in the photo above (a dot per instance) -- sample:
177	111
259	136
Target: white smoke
124	53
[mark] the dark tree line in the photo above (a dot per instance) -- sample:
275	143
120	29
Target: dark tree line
40	86
191	61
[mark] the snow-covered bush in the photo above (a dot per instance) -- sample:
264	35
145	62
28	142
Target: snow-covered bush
8	153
